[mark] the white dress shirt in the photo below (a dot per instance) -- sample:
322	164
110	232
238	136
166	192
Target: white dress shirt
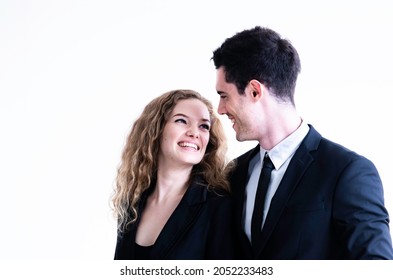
280	155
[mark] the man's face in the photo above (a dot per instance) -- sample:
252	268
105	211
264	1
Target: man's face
236	106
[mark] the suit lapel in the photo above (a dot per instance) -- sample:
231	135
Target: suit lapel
180	221
239	180
295	171
128	238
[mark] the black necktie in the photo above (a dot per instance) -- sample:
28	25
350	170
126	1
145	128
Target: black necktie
257	214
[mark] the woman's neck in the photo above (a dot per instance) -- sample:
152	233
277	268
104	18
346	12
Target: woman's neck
171	183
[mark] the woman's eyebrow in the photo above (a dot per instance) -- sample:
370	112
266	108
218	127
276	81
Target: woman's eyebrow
185	116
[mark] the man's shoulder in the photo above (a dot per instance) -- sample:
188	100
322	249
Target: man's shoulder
325	149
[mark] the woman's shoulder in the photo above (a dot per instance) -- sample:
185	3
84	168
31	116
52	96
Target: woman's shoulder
218	198
215	192
212	191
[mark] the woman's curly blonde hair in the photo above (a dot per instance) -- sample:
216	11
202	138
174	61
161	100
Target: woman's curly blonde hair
138	167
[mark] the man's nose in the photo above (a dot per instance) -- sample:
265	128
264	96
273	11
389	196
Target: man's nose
221	108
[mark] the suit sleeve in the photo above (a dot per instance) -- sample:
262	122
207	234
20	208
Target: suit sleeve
360	217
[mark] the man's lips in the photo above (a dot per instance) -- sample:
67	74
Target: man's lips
232	119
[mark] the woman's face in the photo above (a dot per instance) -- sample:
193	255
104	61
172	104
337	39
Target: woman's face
186	133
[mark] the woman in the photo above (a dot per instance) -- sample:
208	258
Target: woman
171	199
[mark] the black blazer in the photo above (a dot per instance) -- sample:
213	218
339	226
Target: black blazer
329	205
199	228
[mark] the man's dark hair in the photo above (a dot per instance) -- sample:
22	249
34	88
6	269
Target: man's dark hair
260	53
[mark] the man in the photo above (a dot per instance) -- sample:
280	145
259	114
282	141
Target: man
323	201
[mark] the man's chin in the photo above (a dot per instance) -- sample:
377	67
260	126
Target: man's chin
240	138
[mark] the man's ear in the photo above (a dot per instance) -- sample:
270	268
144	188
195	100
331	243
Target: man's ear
257	89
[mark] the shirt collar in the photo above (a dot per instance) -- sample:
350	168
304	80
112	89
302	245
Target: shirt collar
287	147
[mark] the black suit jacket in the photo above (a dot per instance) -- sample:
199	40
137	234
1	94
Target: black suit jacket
199	228
329	205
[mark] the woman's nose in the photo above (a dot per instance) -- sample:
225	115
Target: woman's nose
192	132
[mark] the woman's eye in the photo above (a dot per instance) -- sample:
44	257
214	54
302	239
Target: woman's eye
205	126
180	121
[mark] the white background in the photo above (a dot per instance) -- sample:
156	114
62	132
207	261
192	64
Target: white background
74	74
